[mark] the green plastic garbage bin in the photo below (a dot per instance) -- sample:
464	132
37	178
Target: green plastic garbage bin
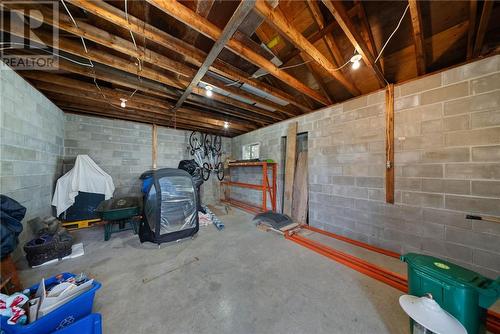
461	292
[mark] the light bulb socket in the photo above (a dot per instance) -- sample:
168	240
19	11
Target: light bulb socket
123	103
356	58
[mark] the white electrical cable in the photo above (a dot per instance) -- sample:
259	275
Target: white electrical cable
397	27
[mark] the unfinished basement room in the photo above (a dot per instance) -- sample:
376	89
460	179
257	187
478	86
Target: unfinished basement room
250	166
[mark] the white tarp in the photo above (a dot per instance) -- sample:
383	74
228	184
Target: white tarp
85	176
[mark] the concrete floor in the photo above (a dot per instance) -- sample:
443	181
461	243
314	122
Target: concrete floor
239	280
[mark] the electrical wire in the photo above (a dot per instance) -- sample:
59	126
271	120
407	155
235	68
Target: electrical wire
392	34
94	75
44	50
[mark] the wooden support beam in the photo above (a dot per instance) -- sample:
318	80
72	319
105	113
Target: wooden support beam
313	38
154	143
277	20
472	28
342	17
234	22
104	38
70	102
58	84
418	36
210	30
389	143
366	32
191	54
76	48
483	26
291	158
131	81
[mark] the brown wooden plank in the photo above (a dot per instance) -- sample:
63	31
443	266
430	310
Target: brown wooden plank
291	155
342	17
234	22
483	26
191	54
207	28
300	190
418	38
277	19
389	143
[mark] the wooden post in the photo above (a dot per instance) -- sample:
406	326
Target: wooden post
291	151
155	146
389	143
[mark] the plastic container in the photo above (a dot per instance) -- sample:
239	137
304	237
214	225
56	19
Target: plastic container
463	293
91	324
61	317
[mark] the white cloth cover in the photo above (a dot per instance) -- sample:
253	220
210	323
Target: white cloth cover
85	176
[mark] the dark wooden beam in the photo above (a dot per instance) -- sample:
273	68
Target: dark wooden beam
472	28
342	17
418	38
234	22
483	26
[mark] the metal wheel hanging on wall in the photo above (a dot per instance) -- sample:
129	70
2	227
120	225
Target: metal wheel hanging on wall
206	150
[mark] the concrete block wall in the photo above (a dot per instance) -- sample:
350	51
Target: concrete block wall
124	150
447	156
31	145
121	148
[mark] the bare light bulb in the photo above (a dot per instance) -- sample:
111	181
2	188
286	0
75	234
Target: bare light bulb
208	91
226	125
356	61
123	104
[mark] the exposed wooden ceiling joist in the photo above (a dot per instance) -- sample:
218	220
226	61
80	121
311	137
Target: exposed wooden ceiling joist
124	46
138	101
418	35
280	23
207	28
234	22
483	26
342	17
193	55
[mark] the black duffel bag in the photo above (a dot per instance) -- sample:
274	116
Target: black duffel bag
11	215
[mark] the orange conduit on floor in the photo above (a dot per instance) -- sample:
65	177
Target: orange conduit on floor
395	280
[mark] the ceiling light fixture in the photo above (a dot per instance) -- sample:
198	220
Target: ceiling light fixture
226	125
356	61
123	104
208	91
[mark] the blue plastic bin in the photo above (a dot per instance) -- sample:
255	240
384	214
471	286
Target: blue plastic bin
91	324
61	317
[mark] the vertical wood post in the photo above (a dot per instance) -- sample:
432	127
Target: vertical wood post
389	143
291	151
155	146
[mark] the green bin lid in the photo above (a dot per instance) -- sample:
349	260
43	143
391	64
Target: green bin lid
444	270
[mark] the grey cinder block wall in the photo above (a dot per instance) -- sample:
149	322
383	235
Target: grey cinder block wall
447	158
123	149
31	145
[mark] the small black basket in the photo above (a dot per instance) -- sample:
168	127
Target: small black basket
47	247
